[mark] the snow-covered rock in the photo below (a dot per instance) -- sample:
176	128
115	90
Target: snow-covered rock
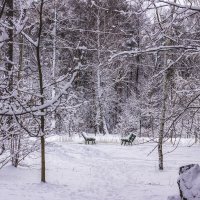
189	183
174	198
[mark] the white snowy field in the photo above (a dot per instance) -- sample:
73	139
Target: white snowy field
97	172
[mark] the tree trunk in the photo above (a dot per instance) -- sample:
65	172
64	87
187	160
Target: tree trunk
106	132
9	15
9	74
162	119
43	170
53	121
98	92
16	139
40	76
140	126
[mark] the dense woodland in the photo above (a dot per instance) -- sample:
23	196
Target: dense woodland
98	66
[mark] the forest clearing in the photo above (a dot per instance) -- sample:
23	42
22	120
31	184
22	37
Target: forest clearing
105	171
99	99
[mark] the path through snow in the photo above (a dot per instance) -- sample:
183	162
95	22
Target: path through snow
97	172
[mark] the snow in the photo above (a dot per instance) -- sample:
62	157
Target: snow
190	183
47	104
189	5
106	171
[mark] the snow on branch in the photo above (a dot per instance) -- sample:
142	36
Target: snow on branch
3	36
188	7
35	43
153	49
170	65
34	109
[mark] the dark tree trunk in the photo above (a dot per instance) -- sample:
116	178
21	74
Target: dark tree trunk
9	15
9	75
40	75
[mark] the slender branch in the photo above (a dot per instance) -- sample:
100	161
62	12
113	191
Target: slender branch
189	7
2	9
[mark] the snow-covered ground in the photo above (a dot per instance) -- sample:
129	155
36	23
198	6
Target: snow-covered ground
76	171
